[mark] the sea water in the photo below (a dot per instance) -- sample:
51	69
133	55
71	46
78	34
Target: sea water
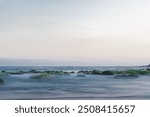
72	86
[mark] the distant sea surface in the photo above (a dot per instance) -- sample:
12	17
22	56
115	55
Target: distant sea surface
63	87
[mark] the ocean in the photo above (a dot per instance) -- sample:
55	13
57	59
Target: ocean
72	87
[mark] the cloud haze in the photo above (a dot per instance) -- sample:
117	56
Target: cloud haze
97	32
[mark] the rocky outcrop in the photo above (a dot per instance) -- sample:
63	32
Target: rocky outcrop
1	81
148	65
81	75
108	72
40	76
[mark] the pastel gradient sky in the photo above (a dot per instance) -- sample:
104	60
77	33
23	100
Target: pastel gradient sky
75	32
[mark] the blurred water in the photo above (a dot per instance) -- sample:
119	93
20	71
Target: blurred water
73	87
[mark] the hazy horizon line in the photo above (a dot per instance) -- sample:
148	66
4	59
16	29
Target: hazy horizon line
57	62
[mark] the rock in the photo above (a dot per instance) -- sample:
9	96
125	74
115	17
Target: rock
86	72
1	81
96	72
57	72
145	65
148	65
126	76
81	71
108	72
81	75
33	71
40	76
3	71
148	69
72	72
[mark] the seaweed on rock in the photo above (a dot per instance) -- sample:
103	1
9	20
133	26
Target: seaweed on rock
56	72
131	72
16	72
108	72
40	76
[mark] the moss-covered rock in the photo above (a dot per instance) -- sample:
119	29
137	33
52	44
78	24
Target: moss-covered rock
72	72
137	72
3	74
108	72
45	74
1	81
148	69
96	72
148	65
40	76
85	72
81	75
56	72
33	71
16	72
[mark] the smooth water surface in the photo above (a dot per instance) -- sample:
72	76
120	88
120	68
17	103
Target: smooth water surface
73	87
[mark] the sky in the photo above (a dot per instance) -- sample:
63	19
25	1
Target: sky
74	32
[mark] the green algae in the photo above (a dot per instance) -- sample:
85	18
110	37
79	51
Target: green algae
40	76
43	74
114	72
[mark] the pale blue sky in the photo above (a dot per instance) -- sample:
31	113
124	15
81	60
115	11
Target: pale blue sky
82	32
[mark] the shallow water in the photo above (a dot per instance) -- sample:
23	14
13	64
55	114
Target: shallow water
73	87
